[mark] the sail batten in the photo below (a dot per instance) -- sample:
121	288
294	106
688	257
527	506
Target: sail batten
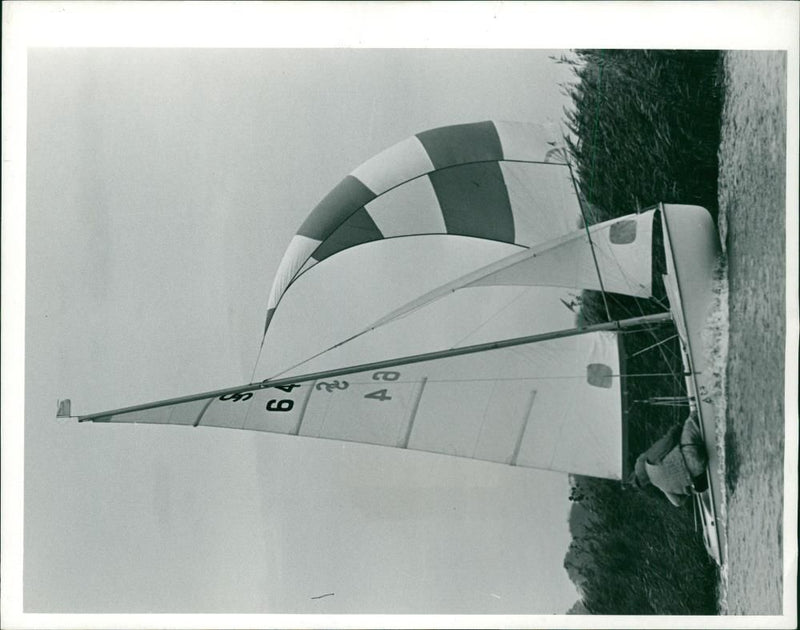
523	429
414	410
200	415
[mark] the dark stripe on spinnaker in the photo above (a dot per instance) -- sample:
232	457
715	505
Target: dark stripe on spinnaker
358	229
347	196
270	313
474	201
457	144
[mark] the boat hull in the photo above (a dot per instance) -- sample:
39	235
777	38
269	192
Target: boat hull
693	250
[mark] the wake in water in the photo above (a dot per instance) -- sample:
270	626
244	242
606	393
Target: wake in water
715	337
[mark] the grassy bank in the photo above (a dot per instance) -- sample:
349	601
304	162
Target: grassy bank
645	128
646	125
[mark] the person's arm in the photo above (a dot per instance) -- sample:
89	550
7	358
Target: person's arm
656	453
676	499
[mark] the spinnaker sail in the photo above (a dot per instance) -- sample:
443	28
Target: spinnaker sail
498	181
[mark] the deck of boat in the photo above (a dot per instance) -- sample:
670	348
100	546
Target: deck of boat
692	254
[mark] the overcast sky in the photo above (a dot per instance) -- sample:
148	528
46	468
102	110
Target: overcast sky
163	187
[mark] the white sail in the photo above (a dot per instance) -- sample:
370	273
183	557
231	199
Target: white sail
554	405
619	261
432	292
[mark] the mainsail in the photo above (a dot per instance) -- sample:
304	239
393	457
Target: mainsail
553	405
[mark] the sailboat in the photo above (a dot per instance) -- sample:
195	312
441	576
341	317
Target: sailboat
421	305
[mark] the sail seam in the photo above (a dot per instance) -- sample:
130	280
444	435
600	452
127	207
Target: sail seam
523	429
483	417
203	412
413	415
436	170
302	415
321	431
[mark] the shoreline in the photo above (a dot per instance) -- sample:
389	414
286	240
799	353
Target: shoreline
752	181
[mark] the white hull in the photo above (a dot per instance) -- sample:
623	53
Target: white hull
691	236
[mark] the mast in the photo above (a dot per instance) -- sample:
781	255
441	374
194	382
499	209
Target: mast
377	365
589	237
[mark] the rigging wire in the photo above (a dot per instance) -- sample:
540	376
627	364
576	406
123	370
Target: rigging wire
591	190
492	317
665	350
670	338
668	361
667	354
403	315
355	336
586	226
258	357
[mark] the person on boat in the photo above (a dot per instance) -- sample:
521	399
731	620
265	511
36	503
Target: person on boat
675	464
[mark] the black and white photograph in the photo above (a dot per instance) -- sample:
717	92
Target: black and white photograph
399	315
